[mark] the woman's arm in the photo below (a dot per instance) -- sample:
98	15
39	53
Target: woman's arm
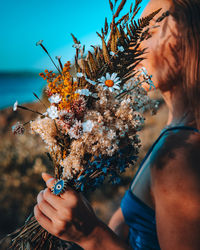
71	218
118	225
176	190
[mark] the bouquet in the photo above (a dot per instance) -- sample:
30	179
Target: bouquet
90	125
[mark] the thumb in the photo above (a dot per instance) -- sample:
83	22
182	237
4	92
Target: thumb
48	179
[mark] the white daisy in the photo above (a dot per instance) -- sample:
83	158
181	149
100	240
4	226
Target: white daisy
52	112
110	82
85	92
55	98
15	106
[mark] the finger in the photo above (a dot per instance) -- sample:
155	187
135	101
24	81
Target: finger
52	199
46	208
44	221
50	181
46	176
71	198
70	195
61	206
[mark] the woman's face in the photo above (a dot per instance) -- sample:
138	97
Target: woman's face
161	57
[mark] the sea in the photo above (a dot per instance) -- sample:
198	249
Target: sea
19	87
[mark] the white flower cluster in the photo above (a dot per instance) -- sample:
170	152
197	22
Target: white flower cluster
52	112
55	98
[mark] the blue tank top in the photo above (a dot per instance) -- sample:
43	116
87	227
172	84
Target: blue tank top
140	217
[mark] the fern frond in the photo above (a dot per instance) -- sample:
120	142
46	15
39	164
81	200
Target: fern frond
119	8
111	5
92	63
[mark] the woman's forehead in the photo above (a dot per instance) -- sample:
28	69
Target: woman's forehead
155	5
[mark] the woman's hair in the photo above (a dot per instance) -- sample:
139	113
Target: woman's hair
187	16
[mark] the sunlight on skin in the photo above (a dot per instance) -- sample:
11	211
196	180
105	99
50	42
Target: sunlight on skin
48	179
70	217
158	52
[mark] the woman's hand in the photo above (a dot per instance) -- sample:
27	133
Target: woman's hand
70	217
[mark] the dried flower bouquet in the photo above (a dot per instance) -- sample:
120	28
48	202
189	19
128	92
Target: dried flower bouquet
90	127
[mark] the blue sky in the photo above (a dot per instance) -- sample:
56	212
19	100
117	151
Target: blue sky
24	22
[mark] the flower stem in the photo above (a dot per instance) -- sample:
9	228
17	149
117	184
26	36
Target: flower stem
39	100
25	108
120	95
50	58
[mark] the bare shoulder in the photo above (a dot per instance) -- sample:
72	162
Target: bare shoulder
180	147
176	164
175	184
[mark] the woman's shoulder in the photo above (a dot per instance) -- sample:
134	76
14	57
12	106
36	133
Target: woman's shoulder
175	160
175	187
174	146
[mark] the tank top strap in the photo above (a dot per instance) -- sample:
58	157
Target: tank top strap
163	131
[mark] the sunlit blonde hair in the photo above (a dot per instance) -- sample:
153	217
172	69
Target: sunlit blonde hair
187	16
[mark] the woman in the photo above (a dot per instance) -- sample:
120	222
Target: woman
162	208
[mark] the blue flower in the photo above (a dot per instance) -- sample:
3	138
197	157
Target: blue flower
81	178
104	169
82	187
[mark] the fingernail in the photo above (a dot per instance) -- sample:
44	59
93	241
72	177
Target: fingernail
43	175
